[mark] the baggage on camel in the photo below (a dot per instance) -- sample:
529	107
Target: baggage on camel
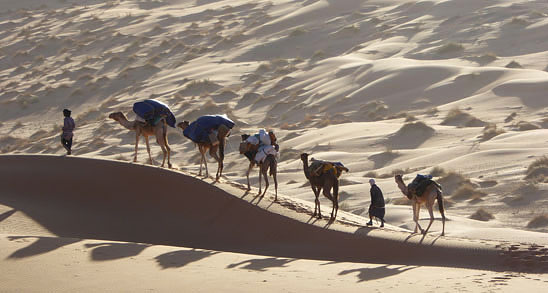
152	111
205	128
267	145
419	184
319	167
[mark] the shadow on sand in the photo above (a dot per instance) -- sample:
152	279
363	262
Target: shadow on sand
181	258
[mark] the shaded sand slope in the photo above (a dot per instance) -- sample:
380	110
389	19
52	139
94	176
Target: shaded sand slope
109	200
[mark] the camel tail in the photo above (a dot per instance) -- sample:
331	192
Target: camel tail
336	190
440	202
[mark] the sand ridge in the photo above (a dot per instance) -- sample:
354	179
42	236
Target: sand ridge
111	200
454	88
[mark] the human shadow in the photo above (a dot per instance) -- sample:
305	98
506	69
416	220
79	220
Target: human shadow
368	274
7	214
181	258
40	246
113	250
262	264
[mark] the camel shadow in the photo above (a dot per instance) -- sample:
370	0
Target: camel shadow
369	274
313	219
40	246
7	214
329	223
245	193
259	197
412	235
181	258
262	264
112	250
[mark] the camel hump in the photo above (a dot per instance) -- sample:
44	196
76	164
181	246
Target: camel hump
420	183
319	167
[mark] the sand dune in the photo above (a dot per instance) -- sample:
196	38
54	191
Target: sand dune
456	88
98	199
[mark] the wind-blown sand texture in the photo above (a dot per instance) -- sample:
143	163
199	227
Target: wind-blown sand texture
454	88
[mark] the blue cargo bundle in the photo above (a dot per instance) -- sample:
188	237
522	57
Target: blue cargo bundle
151	110
198	130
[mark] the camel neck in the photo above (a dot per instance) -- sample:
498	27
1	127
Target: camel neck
403	188
126	123
306	170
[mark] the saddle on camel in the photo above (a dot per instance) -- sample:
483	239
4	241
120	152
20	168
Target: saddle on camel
319	167
419	184
260	145
153	111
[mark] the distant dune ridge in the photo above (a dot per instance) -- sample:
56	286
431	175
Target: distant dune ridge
452	88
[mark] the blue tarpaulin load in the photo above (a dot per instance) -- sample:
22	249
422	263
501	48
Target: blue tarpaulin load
198	130
151	110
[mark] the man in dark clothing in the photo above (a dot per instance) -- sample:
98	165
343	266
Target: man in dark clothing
376	208
68	128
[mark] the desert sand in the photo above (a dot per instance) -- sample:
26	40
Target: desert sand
456	89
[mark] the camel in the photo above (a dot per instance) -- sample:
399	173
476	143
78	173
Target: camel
146	130
327	180
203	147
428	197
270	162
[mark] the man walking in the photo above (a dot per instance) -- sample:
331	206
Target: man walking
68	128
376	208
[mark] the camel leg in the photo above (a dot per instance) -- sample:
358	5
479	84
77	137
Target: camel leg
414	204
136	146
168	156
335	199
439	197
247	174
201	162
431	212
315	201
274	174
204	161
168	149
260	179
265	175
164	151
417	216
443	223
327	193
213	153
319	190
148	150
221	146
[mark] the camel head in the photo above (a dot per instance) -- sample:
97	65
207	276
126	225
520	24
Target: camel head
304	157
116	116
273	137
245	146
401	185
183	125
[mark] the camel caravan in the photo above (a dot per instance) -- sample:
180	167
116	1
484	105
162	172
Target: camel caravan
210	132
